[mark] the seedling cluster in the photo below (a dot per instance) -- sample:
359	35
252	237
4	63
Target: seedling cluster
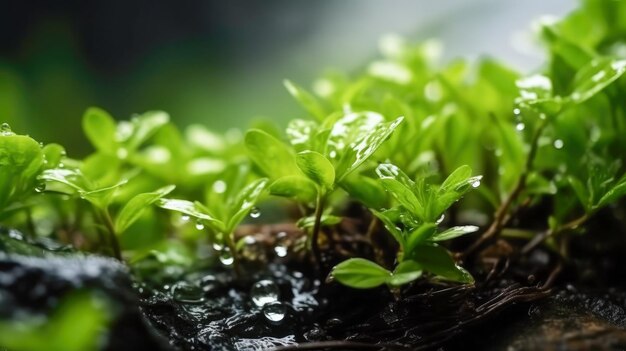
432	152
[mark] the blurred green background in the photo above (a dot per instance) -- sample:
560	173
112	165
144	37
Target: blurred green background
220	63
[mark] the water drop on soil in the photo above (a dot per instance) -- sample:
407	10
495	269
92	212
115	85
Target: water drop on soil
274	312
187	292
264	292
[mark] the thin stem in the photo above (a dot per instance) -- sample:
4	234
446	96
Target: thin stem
230	242
553	232
502	215
108	223
319	210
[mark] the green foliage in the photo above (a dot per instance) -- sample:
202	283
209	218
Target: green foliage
78	324
383	137
413	222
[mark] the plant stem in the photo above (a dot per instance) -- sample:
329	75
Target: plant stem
502	215
319	210
108	222
553	232
230	242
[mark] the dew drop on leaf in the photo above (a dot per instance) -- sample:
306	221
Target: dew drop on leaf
40	187
443	216
199	225
5	129
476	184
184	218
218	247
558	144
274	312
263	292
520	126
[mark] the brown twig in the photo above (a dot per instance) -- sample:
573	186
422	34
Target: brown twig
502	215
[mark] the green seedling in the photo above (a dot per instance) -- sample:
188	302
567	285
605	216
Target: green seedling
319	159
414	225
229	201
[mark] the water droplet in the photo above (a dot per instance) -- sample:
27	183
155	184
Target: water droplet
255	212
516	111
558	144
264	292
281	251
5	129
226	257
209	283
199	225
40	187
282	246
187	292
443	216
219	186
476	184
274	312
14	234
61	165
218	246
333	154
184	218
122	153
520	126
252	249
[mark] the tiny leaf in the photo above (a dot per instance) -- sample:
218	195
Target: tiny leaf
360	273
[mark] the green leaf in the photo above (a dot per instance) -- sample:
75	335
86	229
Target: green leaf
454	232
437	260
418	236
136	206
360	273
53	154
361	150
406	272
456	179
596	76
298	187
366	190
21	158
317	167
271	155
306	100
300	132
534	88
70	177
616	192
191	209
145	126
391	226
400	186
244	202
100	128
581	192
309	221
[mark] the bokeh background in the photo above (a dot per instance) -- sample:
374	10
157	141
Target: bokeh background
221	63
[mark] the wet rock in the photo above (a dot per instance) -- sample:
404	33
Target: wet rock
569	321
33	286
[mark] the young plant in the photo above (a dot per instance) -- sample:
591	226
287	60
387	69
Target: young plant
319	159
230	199
414	225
